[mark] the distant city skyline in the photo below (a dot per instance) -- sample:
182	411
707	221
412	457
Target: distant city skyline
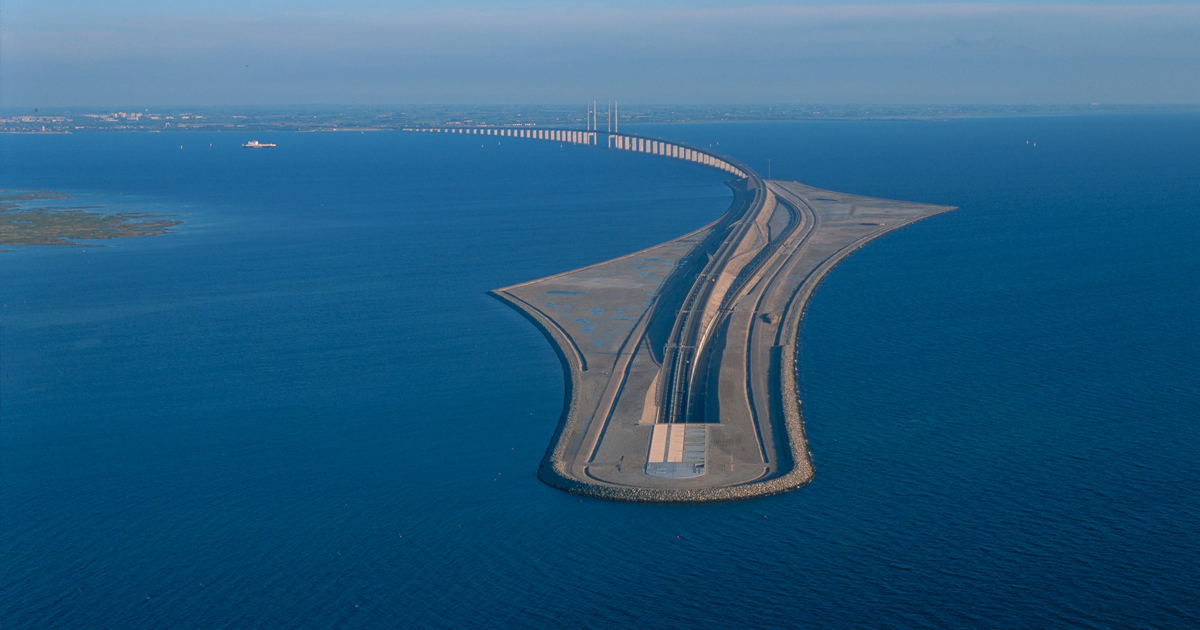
60	53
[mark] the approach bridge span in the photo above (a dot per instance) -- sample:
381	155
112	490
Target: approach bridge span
611	140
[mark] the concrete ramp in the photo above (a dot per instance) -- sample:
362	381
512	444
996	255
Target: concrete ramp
677	451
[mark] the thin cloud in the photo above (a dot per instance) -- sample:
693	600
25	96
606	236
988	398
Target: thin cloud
473	54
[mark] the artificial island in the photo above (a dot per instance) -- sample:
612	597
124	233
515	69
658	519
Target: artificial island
680	360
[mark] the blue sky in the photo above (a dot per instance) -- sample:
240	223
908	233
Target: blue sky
270	52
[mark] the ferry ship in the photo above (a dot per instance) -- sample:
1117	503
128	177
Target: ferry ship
255	144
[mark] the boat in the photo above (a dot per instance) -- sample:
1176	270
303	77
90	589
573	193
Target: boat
255	144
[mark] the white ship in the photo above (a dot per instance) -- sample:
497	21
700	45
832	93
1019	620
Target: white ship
255	144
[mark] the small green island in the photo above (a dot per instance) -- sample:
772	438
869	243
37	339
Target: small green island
22	224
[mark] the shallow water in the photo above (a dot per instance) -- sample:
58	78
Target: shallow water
301	410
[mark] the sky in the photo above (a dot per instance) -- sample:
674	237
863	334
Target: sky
95	53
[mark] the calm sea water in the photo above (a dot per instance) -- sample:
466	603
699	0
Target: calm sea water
300	410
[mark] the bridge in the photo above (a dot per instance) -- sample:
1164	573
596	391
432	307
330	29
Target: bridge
612	140
680	360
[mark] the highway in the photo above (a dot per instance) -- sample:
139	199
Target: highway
698	333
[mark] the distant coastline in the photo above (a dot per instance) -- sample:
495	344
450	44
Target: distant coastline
314	118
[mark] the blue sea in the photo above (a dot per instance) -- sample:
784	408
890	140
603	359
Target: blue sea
301	410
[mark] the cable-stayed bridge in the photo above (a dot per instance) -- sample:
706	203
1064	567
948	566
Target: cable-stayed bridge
611	140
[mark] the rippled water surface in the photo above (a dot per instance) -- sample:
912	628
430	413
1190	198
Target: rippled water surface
300	410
